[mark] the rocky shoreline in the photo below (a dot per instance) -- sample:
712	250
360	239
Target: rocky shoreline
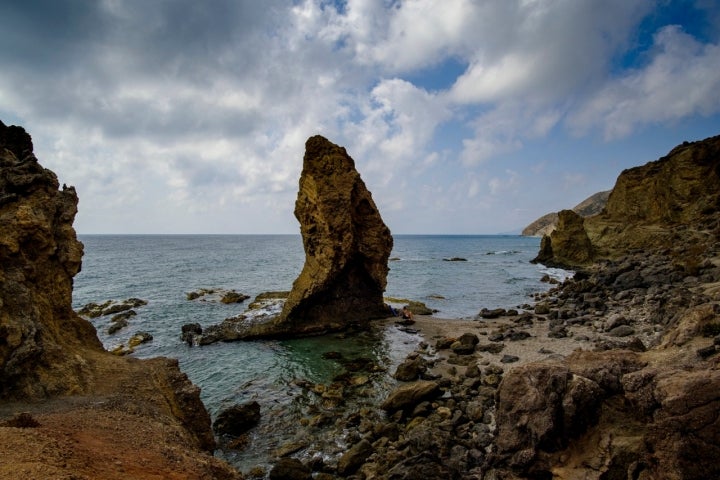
595	401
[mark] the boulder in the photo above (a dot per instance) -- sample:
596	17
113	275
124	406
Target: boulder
409	395
568	244
351	460
290	469
237	419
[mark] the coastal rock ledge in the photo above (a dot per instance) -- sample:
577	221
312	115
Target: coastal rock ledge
347	246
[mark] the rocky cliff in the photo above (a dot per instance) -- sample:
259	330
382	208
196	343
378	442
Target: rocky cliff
53	358
40	254
546	224
668	203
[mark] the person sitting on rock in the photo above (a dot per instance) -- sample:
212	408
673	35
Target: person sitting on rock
407	316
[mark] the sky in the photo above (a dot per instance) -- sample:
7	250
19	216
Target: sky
462	116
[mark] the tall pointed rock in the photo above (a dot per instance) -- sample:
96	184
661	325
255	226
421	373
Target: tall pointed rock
346	244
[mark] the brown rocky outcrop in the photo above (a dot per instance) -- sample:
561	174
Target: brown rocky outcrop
546	224
40	254
568	244
78	392
673	200
347	246
608	415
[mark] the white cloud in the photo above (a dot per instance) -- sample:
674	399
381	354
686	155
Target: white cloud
194	112
682	79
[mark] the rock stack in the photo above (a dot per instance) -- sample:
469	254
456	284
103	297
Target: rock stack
347	246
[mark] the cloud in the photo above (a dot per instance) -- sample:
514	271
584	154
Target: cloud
681	79
177	108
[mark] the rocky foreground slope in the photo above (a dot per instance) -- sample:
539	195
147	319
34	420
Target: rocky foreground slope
69	409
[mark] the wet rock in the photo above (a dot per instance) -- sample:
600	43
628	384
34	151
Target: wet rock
116	326
351	460
290	469
234	297
237	419
190	331
139	338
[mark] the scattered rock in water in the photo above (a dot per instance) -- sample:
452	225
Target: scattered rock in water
94	310
455	259
233	297
120	321
217	295
138	339
190	331
123	316
117	325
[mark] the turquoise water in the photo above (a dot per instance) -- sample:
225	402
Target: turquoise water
162	269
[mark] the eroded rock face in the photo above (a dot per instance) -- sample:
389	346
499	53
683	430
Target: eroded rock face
40	255
674	200
346	244
46	349
568	244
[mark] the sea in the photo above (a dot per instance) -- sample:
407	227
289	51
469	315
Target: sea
283	376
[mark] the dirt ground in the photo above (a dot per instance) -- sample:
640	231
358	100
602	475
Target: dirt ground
122	431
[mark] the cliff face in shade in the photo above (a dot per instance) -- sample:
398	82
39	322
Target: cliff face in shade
346	244
40	254
46	349
672	201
